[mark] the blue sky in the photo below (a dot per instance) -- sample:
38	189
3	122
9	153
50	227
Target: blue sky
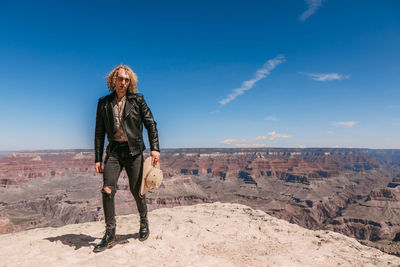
215	73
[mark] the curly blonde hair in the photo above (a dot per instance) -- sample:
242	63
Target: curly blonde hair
132	76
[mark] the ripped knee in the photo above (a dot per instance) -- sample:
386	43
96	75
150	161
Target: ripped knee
108	191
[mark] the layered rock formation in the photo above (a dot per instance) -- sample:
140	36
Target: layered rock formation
352	191
374	217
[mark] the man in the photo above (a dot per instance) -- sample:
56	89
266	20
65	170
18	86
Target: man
121	116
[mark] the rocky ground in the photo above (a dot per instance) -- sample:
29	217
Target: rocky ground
215	234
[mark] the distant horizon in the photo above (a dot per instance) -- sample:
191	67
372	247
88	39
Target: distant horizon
194	148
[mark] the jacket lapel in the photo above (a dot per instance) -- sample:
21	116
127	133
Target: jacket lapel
129	104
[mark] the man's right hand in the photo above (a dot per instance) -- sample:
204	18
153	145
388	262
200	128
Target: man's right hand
98	167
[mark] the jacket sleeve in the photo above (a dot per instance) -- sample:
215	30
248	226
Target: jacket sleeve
150	124
99	134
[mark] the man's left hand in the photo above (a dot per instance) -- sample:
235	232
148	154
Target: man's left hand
155	157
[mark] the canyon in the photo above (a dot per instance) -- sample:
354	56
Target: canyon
347	190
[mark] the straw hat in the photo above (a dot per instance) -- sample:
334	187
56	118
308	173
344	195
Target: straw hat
152	176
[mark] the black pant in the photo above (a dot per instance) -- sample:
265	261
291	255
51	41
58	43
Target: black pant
119	157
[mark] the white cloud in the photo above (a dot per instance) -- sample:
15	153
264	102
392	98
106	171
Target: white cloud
229	141
302	146
313	5
346	123
251	145
323	77
329	132
252	142
271	118
258	75
274	135
259	138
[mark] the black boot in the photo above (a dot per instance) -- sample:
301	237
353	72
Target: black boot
108	241
144	228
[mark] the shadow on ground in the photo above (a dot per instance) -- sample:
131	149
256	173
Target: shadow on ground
81	240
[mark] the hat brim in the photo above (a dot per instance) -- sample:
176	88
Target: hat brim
146	168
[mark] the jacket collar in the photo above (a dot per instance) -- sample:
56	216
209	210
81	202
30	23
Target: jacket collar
131	95
129	104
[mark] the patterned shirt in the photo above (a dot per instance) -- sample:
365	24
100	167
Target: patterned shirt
118	110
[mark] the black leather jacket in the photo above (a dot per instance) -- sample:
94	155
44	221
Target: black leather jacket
135	114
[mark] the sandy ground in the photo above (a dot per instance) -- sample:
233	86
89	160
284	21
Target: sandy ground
216	234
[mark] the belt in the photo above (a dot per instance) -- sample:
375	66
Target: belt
125	143
119	145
